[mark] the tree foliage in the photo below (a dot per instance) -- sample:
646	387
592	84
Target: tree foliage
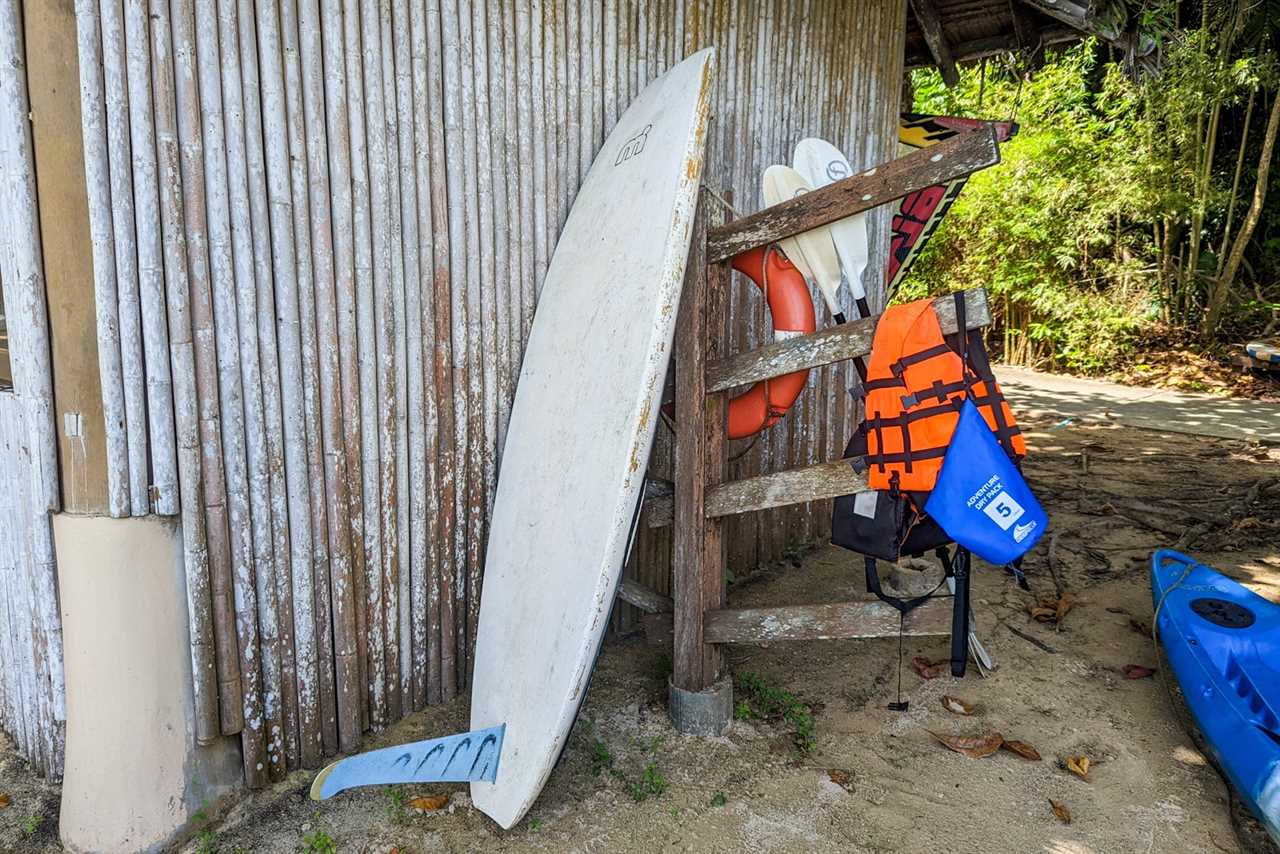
1116	205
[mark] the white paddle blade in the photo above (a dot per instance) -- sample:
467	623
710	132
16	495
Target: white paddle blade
813	251
821	163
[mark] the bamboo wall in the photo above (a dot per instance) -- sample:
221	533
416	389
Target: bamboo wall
319	231
32	707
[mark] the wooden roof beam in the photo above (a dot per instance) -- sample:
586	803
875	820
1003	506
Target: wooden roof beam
931	27
1070	12
994	46
1030	39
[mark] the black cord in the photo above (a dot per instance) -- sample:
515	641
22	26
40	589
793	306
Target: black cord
900	705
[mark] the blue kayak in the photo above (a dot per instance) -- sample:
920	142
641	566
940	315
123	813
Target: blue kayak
1222	642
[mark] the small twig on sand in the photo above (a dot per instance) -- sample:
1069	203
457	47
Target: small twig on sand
1032	640
1053	564
1257	489
1192	534
1240	511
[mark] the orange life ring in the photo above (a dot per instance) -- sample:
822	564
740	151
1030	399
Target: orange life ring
791	312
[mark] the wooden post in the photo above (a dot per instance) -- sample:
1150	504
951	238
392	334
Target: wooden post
696	550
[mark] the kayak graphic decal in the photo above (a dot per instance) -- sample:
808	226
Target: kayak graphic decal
919	214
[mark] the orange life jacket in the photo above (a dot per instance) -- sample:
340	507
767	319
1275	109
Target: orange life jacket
915	384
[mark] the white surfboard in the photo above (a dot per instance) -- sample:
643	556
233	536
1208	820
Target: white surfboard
580	432
821	163
812	252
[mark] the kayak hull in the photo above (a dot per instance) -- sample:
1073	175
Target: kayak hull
1222	642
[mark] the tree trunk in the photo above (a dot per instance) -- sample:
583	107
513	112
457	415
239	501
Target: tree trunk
1218	298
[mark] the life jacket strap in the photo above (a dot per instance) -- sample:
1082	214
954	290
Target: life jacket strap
900	366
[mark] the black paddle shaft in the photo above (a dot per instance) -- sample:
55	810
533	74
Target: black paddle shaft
960	613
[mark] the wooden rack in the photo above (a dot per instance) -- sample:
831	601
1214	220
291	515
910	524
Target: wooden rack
700	497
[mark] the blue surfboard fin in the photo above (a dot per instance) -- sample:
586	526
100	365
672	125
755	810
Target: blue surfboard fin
455	758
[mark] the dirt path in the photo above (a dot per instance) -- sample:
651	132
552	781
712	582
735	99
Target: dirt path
1032	392
629	782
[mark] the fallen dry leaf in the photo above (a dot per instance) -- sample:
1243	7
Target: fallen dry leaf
927	669
841	778
1136	671
5	800
956	706
1050	610
1061	811
1063	605
429	803
973	746
1078	765
1021	748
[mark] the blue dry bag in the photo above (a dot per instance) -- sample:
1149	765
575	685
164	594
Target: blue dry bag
980	498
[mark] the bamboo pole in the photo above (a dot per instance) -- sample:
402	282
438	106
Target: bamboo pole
256	577
340	622
20	675
23	266
348	605
445	225
275	630
296	603
455	109
225	269
518	26
155	340
36	493
399	654
185	406
11	712
516	233
120	165
217	532
539	97
426	597
366	336
44	582
474	447
496	168
26	732
97	174
315	585
380	581
410	81
480	290
10	697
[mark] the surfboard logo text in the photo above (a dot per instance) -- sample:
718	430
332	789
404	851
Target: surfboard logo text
633	146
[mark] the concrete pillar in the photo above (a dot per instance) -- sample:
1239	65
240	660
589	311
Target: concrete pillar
134	773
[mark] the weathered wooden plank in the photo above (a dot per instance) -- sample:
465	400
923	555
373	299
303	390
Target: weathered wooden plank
780	489
647	600
939	164
931	27
868	618
829	345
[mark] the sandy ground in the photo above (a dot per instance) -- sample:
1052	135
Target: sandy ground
1148	790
